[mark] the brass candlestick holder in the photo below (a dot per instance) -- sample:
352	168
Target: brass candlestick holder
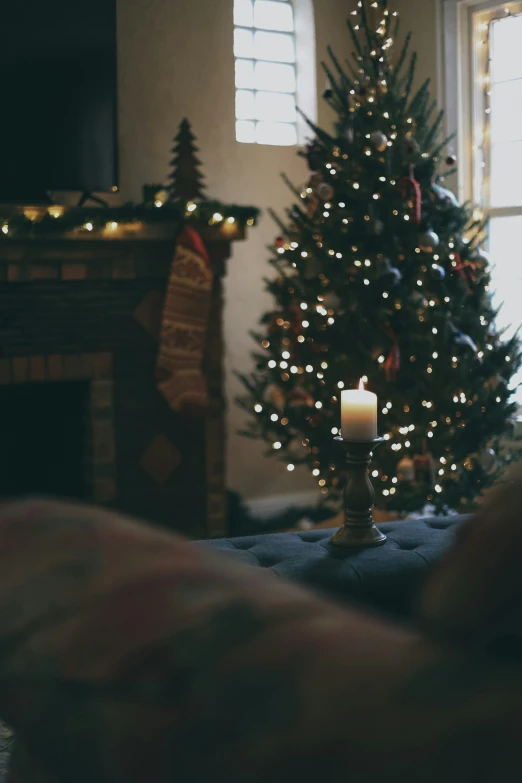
358	496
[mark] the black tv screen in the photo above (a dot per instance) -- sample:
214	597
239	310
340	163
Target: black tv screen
58	98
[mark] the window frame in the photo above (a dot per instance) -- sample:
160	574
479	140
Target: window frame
305	68
464	110
465	101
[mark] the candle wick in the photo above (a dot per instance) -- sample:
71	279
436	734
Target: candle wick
361	385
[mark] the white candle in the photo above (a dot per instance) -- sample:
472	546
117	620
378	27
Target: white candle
358	414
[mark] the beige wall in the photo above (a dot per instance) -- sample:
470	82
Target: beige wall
176	60
420	16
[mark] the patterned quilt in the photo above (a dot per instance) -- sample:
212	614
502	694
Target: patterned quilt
129	655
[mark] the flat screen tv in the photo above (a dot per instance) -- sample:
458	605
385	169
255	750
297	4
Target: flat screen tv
57	97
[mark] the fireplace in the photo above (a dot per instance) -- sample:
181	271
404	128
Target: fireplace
46	439
81	413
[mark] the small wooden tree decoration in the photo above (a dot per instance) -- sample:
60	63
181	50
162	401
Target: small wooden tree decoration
185	178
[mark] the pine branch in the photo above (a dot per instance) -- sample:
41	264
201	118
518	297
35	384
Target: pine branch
328	141
289	184
366	27
409	79
355	38
397	26
443	144
435	130
338	91
401	60
345	80
353	72
277	220
418	98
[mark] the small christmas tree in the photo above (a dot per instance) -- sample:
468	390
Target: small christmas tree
185	178
381	276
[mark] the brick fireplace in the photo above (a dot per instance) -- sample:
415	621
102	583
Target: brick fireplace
79	324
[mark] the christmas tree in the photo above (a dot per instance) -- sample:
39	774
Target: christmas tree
186	179
381	276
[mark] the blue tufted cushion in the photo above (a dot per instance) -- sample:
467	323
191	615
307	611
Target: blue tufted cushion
386	578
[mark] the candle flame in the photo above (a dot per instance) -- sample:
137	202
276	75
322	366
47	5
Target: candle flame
361	385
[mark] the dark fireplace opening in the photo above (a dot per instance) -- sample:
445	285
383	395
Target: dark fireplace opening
45	439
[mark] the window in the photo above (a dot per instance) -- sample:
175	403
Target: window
483	44
266	78
497	148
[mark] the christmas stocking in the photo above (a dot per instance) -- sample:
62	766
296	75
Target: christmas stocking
184	326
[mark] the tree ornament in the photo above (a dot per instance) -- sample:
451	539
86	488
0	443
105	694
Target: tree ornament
325	191
406	469
379	140
451	160
331	301
438	272
443	194
279	241
488	461
393	363
327	93
428	241
460	338
389	275
275	395
466	272
300	398
410	189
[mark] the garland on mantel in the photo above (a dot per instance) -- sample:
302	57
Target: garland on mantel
182	200
33	221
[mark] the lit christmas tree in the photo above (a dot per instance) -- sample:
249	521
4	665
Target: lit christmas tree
381	276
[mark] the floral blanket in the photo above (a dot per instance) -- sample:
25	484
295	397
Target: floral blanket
128	654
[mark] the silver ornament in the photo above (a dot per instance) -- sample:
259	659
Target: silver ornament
325	191
445	195
331	301
428	241
488	461
379	140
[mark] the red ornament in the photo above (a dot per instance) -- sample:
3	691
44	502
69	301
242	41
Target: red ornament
393	363
279	241
298	398
409	187
466	271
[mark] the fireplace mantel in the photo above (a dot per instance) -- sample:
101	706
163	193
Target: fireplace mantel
89	307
